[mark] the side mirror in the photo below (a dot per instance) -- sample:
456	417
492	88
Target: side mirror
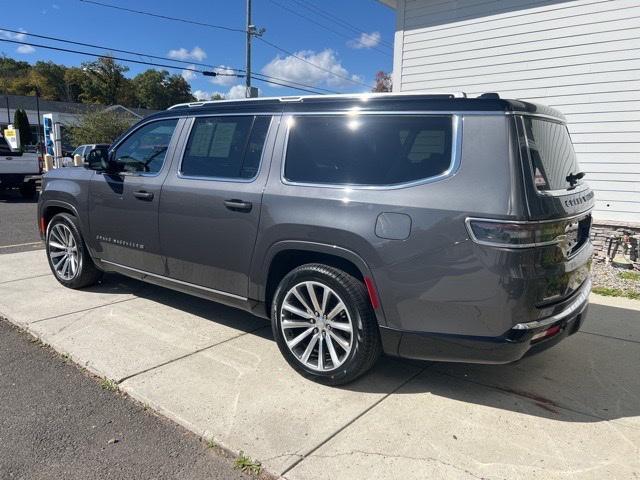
98	159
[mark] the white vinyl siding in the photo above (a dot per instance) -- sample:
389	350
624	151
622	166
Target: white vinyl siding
581	57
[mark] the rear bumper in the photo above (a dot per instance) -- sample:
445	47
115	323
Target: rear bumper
512	346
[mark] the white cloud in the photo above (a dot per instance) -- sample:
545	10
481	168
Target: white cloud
196	53
25	49
202	95
55	6
188	75
237	91
331	71
226	76
20	37
365	40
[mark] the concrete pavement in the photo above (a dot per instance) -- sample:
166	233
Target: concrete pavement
18	224
571	412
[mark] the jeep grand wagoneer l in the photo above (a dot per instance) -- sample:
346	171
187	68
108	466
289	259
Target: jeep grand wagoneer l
426	226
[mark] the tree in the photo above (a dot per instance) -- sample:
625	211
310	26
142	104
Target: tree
100	126
159	90
74	79
21	122
49	78
105	81
217	96
383	82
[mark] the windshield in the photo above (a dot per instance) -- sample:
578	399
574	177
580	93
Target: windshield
553	159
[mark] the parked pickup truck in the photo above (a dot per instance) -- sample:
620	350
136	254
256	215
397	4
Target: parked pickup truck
19	170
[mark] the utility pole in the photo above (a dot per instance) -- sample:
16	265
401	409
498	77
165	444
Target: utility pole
251	31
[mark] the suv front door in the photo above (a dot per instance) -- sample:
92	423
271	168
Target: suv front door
123	206
211	202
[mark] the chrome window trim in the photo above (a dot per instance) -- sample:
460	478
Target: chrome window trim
224	179
180	282
473	237
454	165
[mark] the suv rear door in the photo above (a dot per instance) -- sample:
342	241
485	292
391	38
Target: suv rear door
211	201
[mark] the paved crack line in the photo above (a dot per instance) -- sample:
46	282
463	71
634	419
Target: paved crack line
82	310
21	245
181	357
609	336
25	278
353	420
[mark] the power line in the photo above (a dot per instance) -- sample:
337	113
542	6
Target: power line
164	17
217	26
140	62
319	11
141	54
298	14
302	59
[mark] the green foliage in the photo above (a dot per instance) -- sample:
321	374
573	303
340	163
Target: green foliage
245	464
616	292
217	96
102	81
633	276
21	122
159	90
100	126
109	385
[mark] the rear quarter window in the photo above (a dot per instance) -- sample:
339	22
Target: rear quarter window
550	151
373	150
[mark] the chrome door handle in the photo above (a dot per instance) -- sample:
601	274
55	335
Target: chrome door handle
238	205
142	195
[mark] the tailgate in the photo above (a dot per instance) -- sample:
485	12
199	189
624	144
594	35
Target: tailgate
27	164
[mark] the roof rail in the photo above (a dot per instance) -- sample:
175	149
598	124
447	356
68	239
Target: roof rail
302	98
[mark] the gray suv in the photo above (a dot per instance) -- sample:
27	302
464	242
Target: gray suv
424	226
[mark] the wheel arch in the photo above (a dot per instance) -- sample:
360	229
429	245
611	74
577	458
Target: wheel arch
284	256
51	208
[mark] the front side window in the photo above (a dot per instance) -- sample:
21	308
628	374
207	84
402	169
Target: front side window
225	147
145	149
550	150
371	150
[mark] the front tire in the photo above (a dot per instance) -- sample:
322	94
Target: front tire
324	325
67	253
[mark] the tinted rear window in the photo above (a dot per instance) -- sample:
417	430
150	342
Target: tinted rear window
368	149
551	152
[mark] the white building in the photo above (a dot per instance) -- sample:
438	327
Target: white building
581	57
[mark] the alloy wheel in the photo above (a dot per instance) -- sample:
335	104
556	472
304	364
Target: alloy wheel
63	251
316	326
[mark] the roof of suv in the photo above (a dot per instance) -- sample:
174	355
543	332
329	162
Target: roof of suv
392	102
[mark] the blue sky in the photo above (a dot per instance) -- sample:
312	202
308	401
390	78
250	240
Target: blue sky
354	57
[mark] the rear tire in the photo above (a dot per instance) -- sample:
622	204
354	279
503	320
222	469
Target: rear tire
67	253
332	338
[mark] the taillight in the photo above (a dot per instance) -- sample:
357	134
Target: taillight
499	233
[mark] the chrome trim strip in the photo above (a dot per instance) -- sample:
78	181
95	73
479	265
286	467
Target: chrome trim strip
180	282
537	115
456	152
301	98
583	296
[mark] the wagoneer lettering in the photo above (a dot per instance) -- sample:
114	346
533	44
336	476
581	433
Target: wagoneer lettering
428	226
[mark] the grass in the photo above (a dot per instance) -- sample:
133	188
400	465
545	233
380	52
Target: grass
616	292
245	464
633	276
211	443
109	385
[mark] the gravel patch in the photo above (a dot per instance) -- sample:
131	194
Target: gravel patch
604	276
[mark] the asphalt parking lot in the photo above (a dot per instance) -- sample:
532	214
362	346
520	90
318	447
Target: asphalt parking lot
572	412
18	226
